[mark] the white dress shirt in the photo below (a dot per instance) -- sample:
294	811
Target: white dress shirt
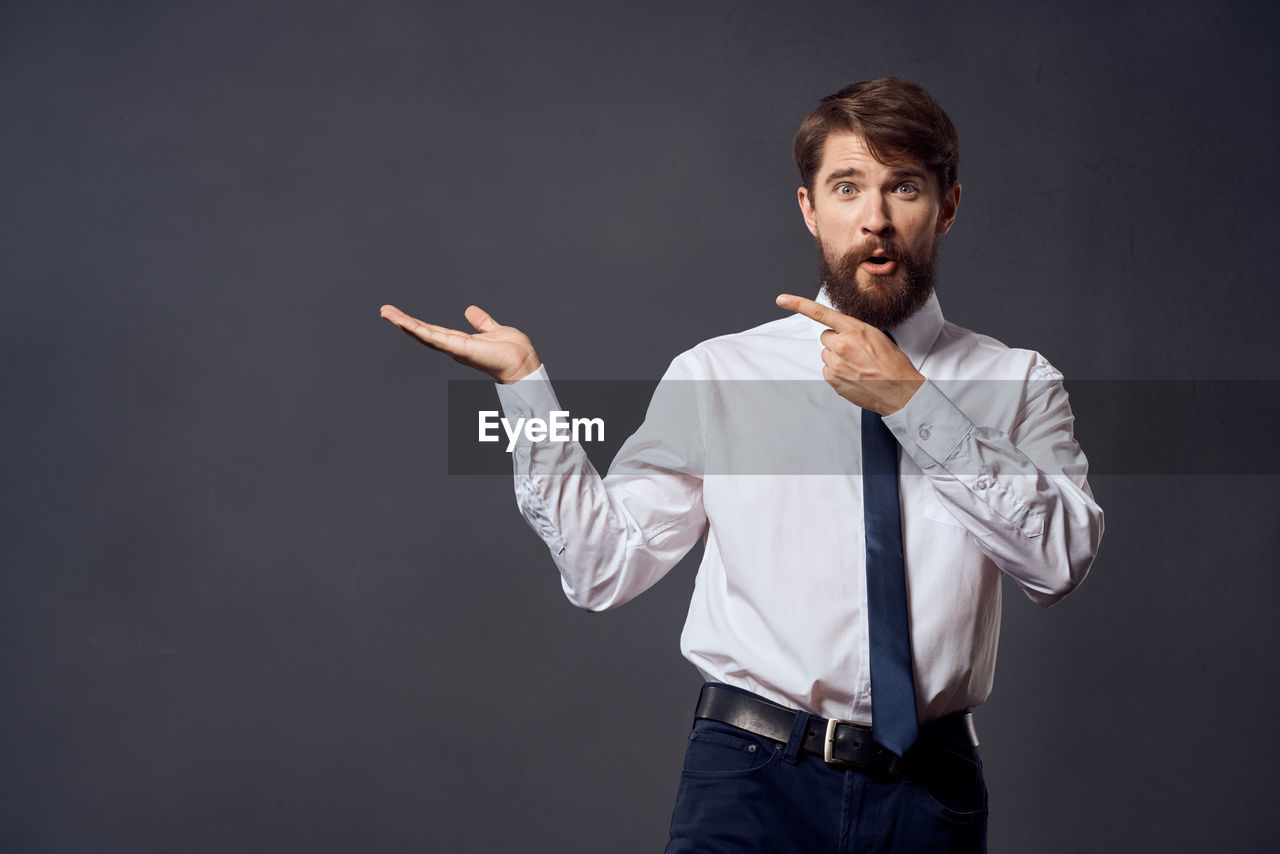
991	480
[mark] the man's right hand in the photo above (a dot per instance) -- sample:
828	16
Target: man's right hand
503	352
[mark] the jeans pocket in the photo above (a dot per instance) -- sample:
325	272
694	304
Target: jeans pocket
721	750
955	785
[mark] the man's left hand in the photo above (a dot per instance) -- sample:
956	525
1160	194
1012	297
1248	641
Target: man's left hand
860	362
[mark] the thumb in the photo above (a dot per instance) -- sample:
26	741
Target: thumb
480	319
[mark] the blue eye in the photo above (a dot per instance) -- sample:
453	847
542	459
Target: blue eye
845	190
907	189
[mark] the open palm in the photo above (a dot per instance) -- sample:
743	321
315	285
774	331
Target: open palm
503	352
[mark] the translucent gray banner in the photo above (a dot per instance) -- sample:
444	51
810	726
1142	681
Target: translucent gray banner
1125	427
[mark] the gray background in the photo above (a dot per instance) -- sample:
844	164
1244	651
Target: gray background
244	606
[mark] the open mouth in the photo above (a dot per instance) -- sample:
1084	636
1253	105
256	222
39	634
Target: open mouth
879	264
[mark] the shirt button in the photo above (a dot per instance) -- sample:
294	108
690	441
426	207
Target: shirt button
981	484
924	433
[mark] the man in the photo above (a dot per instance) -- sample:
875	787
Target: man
845	616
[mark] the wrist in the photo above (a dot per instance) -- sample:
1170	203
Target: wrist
905	390
526	367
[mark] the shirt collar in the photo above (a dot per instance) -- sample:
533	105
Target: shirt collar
915	335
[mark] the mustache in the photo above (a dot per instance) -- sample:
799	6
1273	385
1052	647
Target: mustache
889	247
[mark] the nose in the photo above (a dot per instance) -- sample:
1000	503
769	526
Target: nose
875	215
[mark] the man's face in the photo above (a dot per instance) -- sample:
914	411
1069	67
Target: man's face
877	226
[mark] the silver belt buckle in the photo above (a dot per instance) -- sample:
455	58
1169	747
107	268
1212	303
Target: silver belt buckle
829	745
894	768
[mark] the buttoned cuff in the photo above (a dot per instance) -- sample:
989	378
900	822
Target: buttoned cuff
930	427
526	399
530	397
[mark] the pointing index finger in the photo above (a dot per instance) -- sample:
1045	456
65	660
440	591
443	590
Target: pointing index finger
828	317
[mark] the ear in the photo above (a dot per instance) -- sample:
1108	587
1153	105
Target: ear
807	211
947	215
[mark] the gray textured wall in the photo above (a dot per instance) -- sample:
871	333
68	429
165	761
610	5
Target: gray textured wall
245	608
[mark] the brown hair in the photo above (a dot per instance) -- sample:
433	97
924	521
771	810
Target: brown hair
897	118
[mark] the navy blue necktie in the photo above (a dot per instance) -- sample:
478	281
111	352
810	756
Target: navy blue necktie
893	692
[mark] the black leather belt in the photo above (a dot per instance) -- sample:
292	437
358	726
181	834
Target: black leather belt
842	744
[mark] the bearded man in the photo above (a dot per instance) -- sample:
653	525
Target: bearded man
845	619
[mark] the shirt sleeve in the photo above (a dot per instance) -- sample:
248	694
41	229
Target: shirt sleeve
612	538
1020	491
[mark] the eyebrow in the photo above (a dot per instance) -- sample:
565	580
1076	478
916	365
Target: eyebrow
897	175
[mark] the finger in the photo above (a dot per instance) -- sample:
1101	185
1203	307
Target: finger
451	341
391	313
828	337
436	335
396	317
410	323
413	325
480	319
828	317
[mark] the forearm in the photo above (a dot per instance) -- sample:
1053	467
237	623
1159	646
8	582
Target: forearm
611	538
1026	503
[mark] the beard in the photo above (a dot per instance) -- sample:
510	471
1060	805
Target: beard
880	300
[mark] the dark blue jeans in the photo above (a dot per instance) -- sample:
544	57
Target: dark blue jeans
740	792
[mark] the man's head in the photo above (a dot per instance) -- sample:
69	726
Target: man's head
878	164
